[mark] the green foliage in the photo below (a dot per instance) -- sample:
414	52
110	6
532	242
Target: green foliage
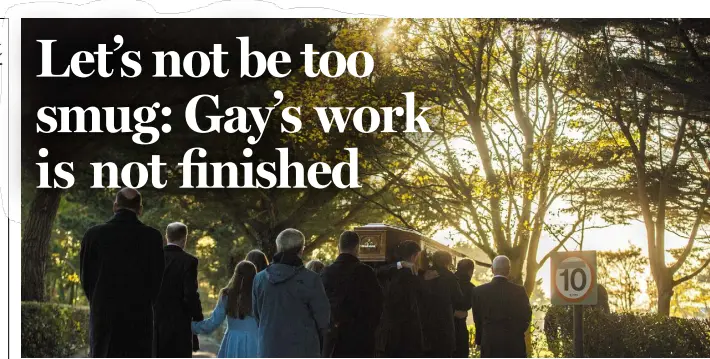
53	330
622	272
628	335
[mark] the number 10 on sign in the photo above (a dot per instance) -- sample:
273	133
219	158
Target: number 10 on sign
574	278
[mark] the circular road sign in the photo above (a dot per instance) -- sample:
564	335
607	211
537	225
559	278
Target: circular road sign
574	278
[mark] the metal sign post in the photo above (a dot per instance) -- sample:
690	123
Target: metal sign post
578	331
574	282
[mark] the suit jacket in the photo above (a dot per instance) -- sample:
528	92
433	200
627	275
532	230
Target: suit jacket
401	326
356	305
440	295
502	314
177	306
121	265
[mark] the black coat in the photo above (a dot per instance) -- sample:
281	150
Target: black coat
356	305
121	270
177	306
460	327
502	314
440	296
401	327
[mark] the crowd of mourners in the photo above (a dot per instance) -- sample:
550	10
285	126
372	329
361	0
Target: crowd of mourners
144	300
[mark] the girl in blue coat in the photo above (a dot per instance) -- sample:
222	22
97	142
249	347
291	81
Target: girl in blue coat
235	305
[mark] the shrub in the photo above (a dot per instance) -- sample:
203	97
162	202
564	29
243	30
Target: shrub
53	330
628	335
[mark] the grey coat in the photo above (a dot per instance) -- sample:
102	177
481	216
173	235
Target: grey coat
291	308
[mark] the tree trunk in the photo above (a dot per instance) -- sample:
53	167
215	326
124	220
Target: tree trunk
530	276
266	241
516	265
72	293
665	293
35	243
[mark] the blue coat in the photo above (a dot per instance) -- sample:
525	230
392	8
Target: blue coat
239	340
290	307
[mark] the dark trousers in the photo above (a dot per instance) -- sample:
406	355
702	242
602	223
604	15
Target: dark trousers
462	339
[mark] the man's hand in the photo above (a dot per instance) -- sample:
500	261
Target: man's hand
460	314
401	265
431	274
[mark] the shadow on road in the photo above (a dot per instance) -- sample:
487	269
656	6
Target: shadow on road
208	349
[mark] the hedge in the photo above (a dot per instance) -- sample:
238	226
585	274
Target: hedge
53	330
56	330
624	335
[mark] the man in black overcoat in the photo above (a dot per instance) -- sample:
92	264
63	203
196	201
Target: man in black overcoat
178	303
440	296
501	314
401	330
464	273
121	270
355	302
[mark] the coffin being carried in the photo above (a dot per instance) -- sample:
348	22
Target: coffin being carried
378	244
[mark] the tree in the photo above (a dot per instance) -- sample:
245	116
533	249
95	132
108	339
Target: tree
499	164
622	272
691	299
637	76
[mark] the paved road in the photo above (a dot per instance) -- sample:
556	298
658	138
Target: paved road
208	349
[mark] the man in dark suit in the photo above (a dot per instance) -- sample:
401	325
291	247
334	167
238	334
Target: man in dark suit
502	314
464	273
121	270
401	333
441	294
178	303
355	302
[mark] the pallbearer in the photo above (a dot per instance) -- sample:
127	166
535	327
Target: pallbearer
401	329
355	301
441	294
464	273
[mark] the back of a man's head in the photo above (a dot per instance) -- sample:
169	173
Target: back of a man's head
501	266
465	266
290	240
349	242
442	259
408	249
176	233
130	199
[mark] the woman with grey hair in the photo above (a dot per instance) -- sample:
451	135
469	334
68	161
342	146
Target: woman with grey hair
289	303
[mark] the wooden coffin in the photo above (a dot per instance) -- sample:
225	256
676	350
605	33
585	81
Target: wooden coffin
378	243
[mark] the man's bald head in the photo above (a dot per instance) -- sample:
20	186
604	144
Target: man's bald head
501	266
128	198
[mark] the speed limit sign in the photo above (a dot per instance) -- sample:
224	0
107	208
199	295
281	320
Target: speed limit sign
574	278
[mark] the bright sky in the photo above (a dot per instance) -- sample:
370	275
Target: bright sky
601	239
